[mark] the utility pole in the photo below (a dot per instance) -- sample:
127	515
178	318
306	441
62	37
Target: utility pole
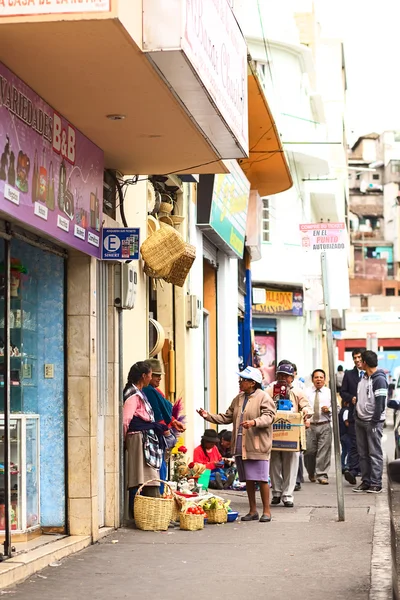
332	387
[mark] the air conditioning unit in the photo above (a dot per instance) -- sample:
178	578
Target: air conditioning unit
194	311
126	279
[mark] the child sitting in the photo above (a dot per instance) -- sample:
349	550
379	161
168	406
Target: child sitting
208	454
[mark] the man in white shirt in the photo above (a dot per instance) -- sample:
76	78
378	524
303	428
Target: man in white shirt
317	458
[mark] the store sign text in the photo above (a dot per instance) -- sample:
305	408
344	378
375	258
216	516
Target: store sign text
43	7
51	176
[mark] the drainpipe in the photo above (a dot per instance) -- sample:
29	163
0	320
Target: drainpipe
248	325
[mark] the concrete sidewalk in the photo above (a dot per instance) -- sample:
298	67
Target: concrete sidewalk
303	553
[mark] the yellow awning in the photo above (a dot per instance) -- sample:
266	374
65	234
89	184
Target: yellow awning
266	168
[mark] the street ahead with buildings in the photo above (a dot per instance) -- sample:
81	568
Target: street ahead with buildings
170	174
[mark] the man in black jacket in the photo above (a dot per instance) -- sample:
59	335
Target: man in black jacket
349	394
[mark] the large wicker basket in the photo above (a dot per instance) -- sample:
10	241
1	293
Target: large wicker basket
218	515
191	522
181	267
153	514
162	248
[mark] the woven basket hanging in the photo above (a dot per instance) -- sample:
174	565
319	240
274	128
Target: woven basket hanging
153	514
181	266
162	248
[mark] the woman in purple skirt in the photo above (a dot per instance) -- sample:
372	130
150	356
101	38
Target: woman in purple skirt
252	413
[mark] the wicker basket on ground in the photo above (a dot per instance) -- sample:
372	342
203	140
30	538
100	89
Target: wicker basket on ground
153	514
190	522
218	515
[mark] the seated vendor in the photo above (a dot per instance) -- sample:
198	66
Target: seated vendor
225	443
208	454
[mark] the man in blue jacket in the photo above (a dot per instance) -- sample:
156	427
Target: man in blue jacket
369	418
349	394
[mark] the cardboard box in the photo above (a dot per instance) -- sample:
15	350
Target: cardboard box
288	432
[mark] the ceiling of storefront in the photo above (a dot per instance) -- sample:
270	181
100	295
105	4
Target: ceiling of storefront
89	69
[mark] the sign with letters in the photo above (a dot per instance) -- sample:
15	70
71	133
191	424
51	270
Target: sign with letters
51	175
121	243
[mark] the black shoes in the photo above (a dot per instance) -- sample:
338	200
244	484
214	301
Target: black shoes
297	487
363	487
349	477
288	504
276	500
374	489
250	517
265	519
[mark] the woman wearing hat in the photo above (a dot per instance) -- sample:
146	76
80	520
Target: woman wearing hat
208	454
252	413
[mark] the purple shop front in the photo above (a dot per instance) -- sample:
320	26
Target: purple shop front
51	176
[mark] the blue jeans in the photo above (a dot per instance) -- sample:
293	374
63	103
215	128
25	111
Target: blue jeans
345	443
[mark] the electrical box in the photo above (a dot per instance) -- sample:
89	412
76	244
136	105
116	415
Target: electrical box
126	279
194	309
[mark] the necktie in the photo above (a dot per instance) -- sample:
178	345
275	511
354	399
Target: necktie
317	414
362	373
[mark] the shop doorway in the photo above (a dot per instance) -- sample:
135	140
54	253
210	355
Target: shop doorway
210	309
102	381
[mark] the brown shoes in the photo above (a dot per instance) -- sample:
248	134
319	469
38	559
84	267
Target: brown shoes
323	481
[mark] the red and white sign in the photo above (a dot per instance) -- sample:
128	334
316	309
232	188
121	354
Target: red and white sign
17	8
323	236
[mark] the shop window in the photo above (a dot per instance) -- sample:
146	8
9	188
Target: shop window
395	166
37	399
364	303
266	220
390	292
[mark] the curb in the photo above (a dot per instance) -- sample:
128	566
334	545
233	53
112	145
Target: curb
381	559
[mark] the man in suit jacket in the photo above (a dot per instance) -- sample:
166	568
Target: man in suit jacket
349	394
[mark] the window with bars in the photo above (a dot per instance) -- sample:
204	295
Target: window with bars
266	221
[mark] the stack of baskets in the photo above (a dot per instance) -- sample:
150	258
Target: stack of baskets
153	514
167	255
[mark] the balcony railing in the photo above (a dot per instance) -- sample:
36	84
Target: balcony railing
367	236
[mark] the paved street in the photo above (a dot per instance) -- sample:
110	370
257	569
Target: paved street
304	552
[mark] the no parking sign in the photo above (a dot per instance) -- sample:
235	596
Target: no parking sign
121	243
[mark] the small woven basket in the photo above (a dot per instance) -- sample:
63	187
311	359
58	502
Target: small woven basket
166	207
218	515
191	522
153	514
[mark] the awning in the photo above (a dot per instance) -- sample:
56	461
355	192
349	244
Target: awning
266	168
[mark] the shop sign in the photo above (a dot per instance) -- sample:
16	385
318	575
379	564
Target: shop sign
323	236
222	209
51	175
17	8
120	243
199	41
280	302
215	46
